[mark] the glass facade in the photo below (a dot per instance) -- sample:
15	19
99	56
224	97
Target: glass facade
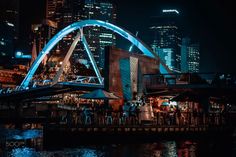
43	32
65	12
166	38
98	37
190	56
9	26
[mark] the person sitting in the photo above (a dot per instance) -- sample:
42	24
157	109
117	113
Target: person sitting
87	113
109	119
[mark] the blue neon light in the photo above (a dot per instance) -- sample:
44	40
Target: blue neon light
77	25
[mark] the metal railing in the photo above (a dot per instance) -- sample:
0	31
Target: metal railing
159	119
212	79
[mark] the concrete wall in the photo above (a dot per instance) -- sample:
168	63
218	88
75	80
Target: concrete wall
116	78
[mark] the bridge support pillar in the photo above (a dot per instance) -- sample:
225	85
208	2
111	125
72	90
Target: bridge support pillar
18	116
67	57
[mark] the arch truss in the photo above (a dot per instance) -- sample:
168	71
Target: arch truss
80	37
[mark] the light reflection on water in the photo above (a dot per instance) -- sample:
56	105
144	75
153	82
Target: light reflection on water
170	149
21	134
22	152
164	148
157	149
30	152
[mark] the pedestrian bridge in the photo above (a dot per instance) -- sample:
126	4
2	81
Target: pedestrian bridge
32	88
48	90
29	87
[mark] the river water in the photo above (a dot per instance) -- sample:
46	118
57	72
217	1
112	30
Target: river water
212	147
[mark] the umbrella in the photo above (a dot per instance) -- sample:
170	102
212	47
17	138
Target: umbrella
99	94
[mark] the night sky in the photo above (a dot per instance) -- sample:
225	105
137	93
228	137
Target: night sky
210	22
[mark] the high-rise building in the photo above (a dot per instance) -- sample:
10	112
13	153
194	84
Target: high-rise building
184	54
43	32
10	13
53	8
190	56
99	37
167	37
9	26
6	42
66	12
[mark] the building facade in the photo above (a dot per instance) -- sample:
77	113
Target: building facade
43	32
190	56
53	10
66	12
12	78
98	37
167	37
124	75
9	26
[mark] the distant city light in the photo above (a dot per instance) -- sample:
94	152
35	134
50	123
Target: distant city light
2	43
20	54
173	103
10	24
83	61
26	56
78	25
170	11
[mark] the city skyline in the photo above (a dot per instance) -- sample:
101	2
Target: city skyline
117	78
166	34
215	37
210	23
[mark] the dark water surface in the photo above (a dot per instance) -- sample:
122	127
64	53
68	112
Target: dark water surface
199	147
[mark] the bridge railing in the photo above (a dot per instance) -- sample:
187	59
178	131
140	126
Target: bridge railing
119	118
212	79
6	90
39	83
86	79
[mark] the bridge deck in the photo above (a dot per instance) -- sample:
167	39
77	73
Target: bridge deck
47	90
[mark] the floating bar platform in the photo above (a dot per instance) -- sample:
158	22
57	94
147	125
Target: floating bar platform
119	134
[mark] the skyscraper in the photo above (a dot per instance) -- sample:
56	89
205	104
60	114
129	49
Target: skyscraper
10	13
98	37
6	42
43	32
166	37
190	56
53	8
9	26
66	12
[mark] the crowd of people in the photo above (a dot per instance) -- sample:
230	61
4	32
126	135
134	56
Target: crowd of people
142	112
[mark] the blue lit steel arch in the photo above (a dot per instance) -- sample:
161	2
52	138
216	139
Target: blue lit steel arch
78	25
